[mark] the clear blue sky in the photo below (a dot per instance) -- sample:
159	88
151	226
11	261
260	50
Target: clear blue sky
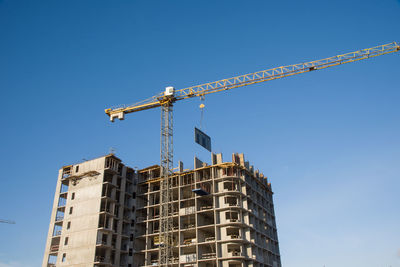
328	140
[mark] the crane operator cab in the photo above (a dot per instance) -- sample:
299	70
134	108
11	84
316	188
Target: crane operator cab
169	91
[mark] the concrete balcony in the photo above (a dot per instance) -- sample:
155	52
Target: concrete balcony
206	256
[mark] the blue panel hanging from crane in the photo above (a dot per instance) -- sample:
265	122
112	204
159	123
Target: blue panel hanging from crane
202	139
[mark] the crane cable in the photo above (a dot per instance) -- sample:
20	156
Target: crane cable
201	106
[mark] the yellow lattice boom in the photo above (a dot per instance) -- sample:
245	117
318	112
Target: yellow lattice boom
252	78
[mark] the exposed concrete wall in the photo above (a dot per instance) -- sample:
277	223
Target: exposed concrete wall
93	206
84	218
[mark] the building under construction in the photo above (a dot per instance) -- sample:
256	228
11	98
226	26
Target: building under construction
107	214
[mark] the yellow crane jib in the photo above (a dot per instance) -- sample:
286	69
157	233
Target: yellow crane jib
171	95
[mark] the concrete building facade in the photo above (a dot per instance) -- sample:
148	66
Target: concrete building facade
92	219
106	214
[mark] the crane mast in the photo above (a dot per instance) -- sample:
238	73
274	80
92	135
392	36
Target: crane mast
166	160
166	100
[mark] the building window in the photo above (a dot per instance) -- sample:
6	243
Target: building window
68	225
73	196
66	241
77	168
231	201
64	256
70	210
232	216
64	188
52	259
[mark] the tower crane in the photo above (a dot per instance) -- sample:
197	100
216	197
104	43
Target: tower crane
166	99
7	221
